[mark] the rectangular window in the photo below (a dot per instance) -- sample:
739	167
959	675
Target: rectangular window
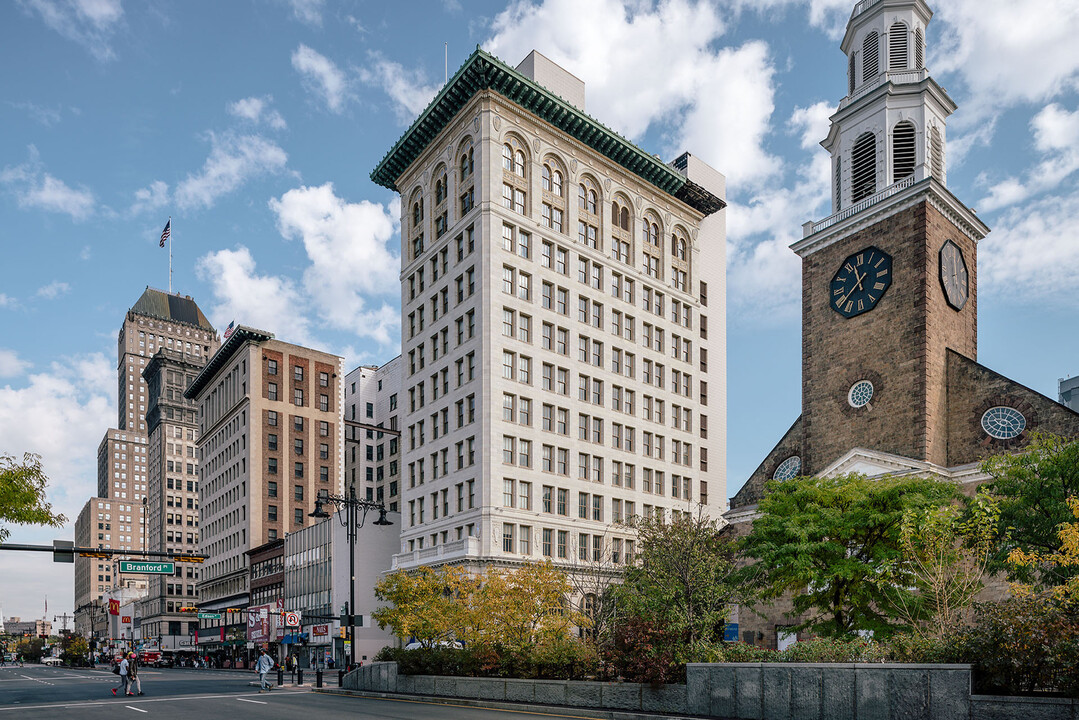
507	537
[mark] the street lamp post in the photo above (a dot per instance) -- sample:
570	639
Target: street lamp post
352	520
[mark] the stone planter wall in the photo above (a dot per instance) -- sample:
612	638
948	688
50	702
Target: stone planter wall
749	691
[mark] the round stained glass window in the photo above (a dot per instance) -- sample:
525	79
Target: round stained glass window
788	469
860	393
1003	423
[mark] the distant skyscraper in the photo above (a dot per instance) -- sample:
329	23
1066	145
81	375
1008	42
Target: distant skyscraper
158	321
1069	392
373	459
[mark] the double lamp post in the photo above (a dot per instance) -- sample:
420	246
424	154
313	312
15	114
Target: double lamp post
353	517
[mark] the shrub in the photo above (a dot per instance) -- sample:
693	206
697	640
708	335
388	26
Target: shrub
831	650
643	651
744	652
1027	644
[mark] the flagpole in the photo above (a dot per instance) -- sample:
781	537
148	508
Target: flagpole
170	253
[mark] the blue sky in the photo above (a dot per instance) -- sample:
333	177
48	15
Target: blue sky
255	126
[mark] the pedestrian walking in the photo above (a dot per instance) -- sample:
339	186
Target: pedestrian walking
262	667
134	682
122	671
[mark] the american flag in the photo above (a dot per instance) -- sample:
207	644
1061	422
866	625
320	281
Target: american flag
228	330
165	233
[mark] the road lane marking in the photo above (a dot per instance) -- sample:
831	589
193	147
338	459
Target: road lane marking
136	709
169	699
470	707
258	702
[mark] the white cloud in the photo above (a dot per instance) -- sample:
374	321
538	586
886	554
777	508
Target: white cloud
53	290
322	77
37	189
6	301
233	160
44	115
714	101
308	11
1008	52
267	302
350	248
408	89
152	197
256	110
1056	138
763	275
90	23
10	363
1032	254
60	414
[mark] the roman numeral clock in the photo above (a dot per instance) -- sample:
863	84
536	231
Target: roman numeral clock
861	282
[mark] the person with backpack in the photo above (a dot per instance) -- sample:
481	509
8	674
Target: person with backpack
121	670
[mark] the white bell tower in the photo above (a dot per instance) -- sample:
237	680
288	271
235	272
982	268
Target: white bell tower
890	127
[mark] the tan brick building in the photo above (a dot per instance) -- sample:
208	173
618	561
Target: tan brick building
890	378
269	440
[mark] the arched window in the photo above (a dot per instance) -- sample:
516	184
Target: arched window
621	229
417	213
870	49
936	146
466	163
863	165
897	47
903	155
514	179
588	218
679	259
554	205
850	74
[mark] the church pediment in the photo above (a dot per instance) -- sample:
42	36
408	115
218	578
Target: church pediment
874	462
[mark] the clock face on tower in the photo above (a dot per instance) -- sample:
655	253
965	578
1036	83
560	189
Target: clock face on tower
953	275
861	282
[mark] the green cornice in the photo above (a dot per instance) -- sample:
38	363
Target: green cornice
483	71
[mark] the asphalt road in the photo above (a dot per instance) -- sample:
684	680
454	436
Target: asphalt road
35	692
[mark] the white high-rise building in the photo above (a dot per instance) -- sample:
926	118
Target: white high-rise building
564	339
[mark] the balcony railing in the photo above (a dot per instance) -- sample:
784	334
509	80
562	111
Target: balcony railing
811	228
896	77
464	548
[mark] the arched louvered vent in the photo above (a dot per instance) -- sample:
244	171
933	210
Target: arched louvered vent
863	167
870	49
897	47
850	75
837	189
919	49
937	148
902	150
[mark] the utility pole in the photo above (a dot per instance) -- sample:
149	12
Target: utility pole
63	618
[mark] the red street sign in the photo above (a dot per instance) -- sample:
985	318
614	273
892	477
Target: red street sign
320	630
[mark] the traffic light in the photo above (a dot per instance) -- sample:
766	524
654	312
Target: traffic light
188	558
189	609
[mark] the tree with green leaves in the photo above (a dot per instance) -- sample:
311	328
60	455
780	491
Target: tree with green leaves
682	580
834	545
1034	486
22	494
945	550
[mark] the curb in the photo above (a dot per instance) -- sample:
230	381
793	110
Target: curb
558	710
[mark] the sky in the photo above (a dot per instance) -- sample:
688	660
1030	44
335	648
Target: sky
255	126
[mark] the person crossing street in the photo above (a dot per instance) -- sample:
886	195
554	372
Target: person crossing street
262	667
134	682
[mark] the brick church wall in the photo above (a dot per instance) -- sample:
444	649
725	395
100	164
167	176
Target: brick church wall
753	490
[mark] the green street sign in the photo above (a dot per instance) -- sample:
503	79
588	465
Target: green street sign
152	568
210	616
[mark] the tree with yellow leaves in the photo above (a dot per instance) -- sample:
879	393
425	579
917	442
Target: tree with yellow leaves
524	607
1066	557
432	605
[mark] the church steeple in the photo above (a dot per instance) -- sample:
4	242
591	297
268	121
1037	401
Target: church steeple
890	127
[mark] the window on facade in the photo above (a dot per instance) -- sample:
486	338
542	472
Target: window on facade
271	367
271	391
863	167
936	147
919	49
